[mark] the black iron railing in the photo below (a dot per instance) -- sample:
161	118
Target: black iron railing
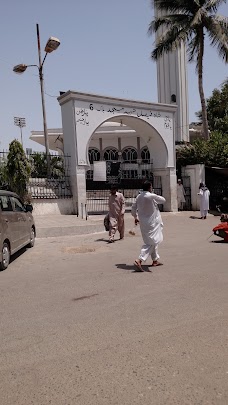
49	188
117	171
56	185
187	188
97	194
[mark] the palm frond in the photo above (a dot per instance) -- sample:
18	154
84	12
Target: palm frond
174	6
221	20
193	50
218	34
213	5
169	41
198	17
168	21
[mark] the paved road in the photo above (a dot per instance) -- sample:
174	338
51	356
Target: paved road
79	327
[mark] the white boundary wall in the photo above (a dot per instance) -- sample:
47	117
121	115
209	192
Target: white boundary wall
64	206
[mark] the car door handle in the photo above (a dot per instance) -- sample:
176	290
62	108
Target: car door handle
6	220
19	219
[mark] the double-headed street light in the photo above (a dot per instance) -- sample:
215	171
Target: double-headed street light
51	45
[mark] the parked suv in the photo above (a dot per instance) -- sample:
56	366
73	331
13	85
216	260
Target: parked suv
17	227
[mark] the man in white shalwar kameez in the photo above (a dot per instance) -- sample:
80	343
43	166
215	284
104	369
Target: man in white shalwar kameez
145	211
180	195
204	194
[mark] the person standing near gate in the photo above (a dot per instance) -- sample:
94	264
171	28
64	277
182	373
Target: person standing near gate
116	213
204	194
146	212
180	195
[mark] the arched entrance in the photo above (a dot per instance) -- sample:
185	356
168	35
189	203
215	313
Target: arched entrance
127	152
139	136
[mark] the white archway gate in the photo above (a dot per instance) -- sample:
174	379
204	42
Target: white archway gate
83	114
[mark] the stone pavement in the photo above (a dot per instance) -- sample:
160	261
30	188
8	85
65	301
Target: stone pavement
80	327
66	225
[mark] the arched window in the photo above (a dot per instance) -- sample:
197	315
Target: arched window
129	155
145	155
111	154
94	155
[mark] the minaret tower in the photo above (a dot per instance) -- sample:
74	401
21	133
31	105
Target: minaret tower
172	82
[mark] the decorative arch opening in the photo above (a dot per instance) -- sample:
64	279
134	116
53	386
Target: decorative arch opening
154	151
129	155
145	155
94	155
110	153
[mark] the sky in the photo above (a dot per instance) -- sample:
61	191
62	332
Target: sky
104	49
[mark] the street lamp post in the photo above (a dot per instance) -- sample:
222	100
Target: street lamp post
51	45
20	122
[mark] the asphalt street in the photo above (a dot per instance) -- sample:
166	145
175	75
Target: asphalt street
79	327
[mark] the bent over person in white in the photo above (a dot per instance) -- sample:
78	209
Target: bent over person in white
145	211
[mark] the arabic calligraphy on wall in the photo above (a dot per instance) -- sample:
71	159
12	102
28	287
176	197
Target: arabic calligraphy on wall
168	123
123	110
133	111
82	114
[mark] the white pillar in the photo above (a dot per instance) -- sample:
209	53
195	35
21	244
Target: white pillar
77	172
197	176
81	190
169	187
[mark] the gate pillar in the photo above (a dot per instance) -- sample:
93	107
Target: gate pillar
197	175
169	187
78	185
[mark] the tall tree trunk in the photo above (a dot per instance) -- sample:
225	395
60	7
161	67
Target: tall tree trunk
200	84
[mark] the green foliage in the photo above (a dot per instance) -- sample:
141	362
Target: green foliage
3	173
39	165
217	109
213	152
57	166
187	22
18	169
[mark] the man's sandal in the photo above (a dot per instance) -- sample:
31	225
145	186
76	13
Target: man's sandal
138	265
155	264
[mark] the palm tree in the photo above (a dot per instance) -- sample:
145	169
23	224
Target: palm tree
187	21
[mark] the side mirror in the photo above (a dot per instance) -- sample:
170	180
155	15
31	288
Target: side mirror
29	208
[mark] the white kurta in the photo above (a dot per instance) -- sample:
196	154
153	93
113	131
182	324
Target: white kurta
204	199
146	210
180	194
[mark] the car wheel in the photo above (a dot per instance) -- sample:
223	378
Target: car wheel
32	238
5	256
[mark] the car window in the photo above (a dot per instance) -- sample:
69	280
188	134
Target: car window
17	205
5	203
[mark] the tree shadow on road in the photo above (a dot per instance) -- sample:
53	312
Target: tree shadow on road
132	268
